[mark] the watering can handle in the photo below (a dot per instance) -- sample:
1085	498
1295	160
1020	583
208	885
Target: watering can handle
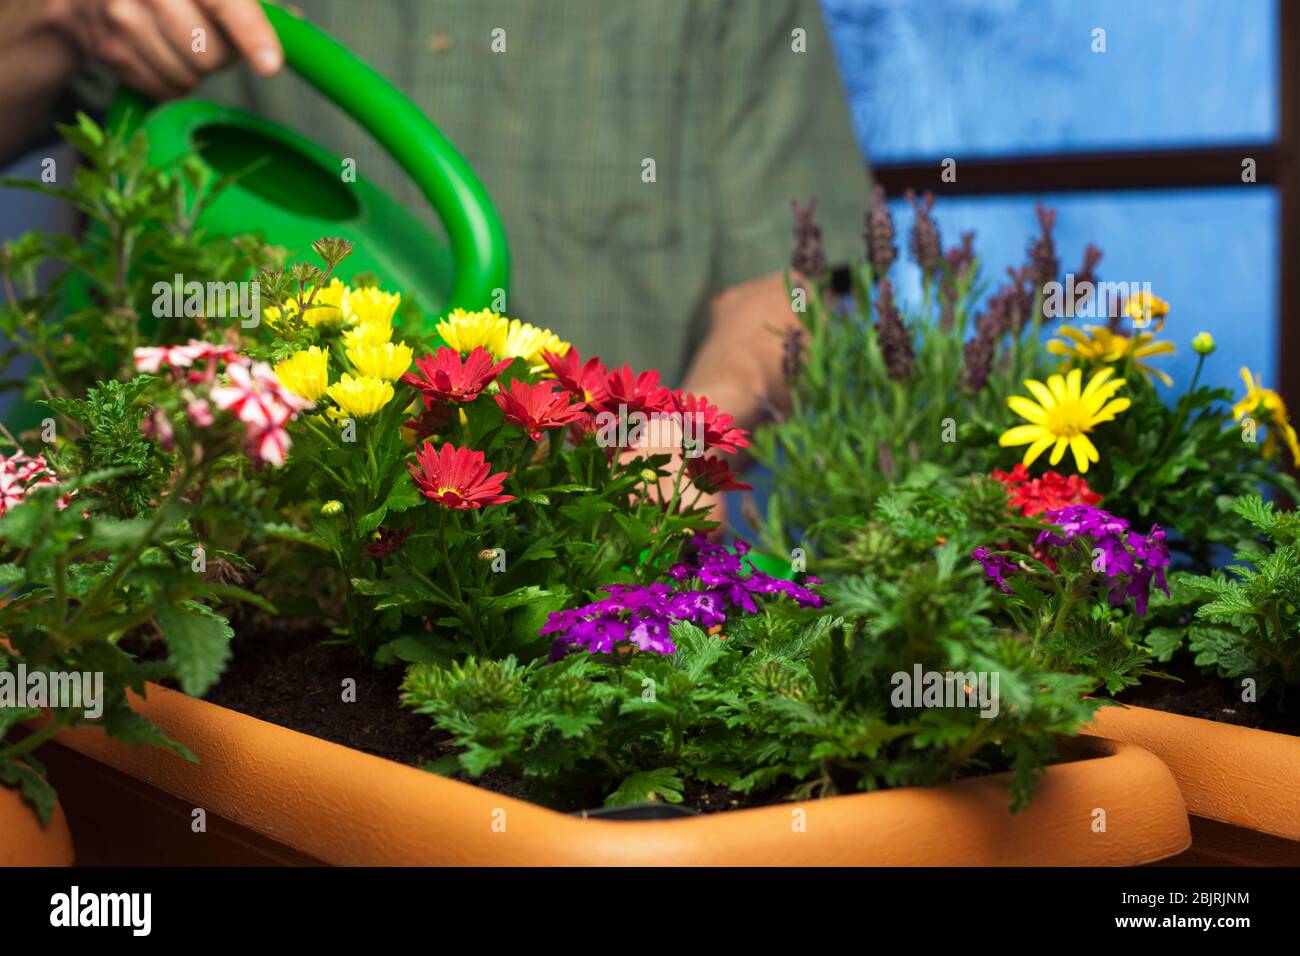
478	239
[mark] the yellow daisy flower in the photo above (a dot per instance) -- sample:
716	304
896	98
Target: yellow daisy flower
528	342
369	304
367	333
360	397
325	306
305	373
503	337
1098	344
466	331
1278	417
386	361
1063	414
1144	308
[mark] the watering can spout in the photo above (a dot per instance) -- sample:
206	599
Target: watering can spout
296	194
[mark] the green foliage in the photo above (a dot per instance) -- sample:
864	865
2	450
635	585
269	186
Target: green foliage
795	706
1244	622
859	428
108	437
97	553
141	231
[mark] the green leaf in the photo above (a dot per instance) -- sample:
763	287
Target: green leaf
421	649
33	786
661	783
370	522
1165	641
126	725
444	766
404	496
198	643
287	532
512	599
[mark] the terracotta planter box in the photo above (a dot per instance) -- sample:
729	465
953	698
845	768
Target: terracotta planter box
1242	784
24	842
282	796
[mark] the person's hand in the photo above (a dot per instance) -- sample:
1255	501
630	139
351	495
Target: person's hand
163	48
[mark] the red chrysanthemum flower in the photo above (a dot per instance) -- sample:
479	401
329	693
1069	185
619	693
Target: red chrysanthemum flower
702	421
444	376
586	382
535	408
457	478
635	393
1035	496
712	475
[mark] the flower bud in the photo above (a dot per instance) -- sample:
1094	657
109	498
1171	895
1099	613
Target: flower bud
1203	344
331	508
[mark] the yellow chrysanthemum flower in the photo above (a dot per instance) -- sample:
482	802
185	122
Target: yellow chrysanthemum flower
528	342
325	306
387	361
367	333
360	397
305	373
503	337
1098	344
1279	419
466	331
370	304
1144	308
1063	414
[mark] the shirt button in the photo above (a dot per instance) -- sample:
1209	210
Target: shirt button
439	42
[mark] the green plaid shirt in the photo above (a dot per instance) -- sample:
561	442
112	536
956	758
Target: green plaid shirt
558	126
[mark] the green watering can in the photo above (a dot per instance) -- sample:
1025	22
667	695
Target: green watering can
297	193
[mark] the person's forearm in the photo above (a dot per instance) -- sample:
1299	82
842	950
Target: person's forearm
37	57
738	366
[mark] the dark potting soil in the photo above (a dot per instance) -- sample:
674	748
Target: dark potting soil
1195	694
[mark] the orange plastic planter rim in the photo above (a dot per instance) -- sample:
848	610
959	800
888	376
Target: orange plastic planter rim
1236	775
24	841
341	806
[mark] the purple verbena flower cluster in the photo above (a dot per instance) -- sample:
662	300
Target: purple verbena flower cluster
1129	561
997	566
715	581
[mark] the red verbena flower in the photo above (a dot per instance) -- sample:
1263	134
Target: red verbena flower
1035	496
457	478
153	358
536	408
586	382
702	422
444	376
712	474
19	474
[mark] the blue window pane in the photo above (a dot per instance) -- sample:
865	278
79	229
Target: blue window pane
989	77
1211	253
